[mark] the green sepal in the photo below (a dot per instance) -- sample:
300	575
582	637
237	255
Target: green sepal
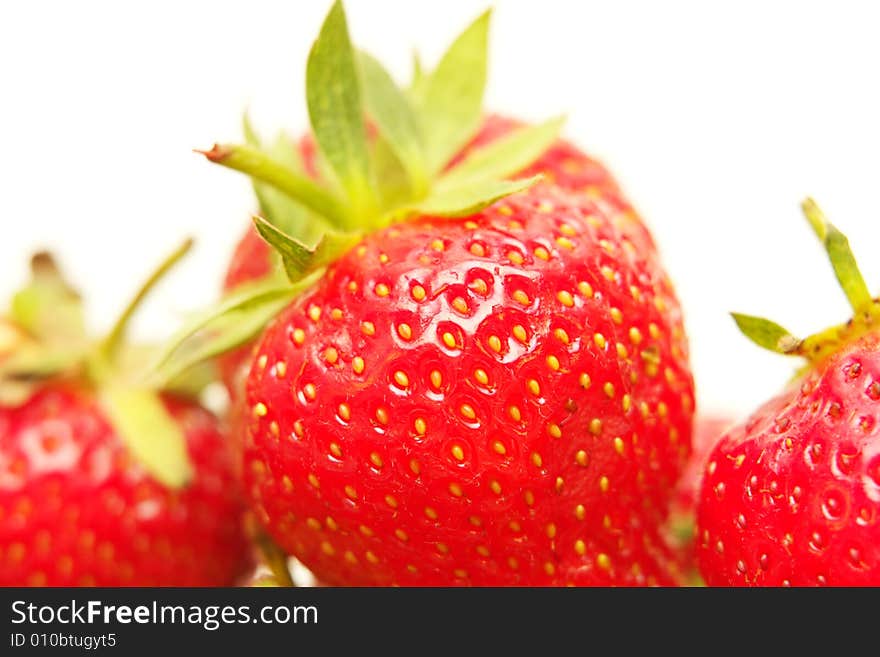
416	87
262	167
234	321
336	112
282	210
395	119
394	182
135	363
450	98
469	197
767	334
114	340
149	432
44	335
251	138
275	560
48	308
332	246
507	155
846	269
295	256
25	368
300	259
36	361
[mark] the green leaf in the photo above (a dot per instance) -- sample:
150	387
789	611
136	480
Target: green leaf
332	246
418	75
283	150
508	155
337	117
149	432
451	97
279	208
393	183
262	167
35	361
295	256
224	334
115	337
48	308
470	196
846	269
390	109
234	321
766	334
136	360
300	259
251	138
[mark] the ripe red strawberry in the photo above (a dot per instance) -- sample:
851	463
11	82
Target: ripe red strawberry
505	400
78	503
466	379
791	497
78	510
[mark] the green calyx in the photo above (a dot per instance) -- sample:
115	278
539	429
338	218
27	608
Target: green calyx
818	346
384	155
43	340
383	151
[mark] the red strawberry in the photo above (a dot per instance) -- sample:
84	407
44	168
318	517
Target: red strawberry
791	496
448	406
79	506
468	379
79	510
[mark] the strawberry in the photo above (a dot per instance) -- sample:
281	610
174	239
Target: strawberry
465	378
445	406
791	496
103	482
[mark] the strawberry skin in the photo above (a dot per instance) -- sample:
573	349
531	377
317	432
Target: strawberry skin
791	497
76	510
498	400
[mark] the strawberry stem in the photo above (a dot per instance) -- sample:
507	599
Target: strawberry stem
818	346
274	558
110	345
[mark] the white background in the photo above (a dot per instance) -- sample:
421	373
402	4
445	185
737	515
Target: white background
717	119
